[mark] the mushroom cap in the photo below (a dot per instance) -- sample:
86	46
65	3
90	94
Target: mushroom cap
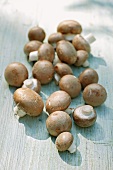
88	76
32	46
36	33
58	101
58	122
82	117
71	85
46	52
29	101
63	69
63	141
15	73
82	56
94	94
66	52
69	26
55	37
80	43
43	70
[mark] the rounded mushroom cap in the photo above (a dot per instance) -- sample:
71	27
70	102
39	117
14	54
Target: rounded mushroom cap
46	52
71	85
58	122
32	46
55	37
80	43
43	70
36	33
28	101
63	69
59	100
94	94
84	116
82	56
15	73
66	52
64	141
88	76
69	26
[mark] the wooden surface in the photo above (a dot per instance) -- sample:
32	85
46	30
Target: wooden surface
25	143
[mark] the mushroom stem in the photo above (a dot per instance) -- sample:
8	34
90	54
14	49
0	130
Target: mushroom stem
86	64
56	59
57	78
30	83
33	56
19	112
90	38
69	111
69	37
87	110
72	148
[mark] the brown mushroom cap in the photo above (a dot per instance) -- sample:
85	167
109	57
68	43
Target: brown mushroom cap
88	76
32	46
80	43
43	70
58	122
63	69
59	100
55	37
84	116
28	101
66	52
69	26
94	94
82	56
36	33
64	141
71	85
15	73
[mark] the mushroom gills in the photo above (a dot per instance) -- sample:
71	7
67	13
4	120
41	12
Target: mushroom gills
19	111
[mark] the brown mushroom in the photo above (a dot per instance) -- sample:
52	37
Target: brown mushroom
84	116
15	73
94	94
58	122
82	57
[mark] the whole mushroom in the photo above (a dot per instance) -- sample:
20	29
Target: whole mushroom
15	73
82	57
58	122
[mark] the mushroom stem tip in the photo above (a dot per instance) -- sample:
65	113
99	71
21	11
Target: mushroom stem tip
19	112
72	148
90	38
33	56
86	64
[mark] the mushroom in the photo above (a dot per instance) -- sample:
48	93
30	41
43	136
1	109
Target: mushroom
54	38
66	52
94	94
58	101
32	46
84	116
44	52
27	102
71	85
69	28
65	141
33	84
82	57
36	33
58	122
88	76
43	70
83	43
61	69
15	73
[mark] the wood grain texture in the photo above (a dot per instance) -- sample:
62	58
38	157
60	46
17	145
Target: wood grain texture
25	143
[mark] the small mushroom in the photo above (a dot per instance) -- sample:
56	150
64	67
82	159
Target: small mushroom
94	94
27	102
82	57
58	101
43	70
15	73
58	122
36	33
33	84
66	52
88	76
64	141
44	52
84	116
69	28
71	85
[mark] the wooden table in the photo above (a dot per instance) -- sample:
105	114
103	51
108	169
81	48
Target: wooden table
25	143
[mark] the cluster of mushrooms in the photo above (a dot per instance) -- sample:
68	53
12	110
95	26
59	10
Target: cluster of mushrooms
53	60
